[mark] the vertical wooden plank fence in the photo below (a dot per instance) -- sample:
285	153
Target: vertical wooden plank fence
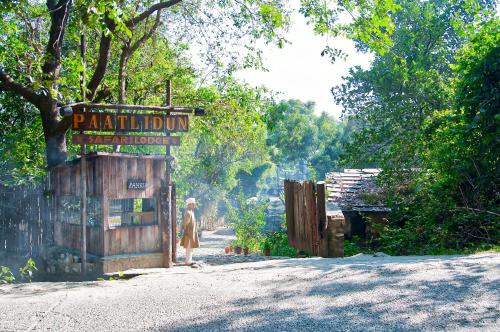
302	216
26	226
309	228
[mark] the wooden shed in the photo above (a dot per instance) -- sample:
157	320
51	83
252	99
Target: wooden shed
124	209
354	193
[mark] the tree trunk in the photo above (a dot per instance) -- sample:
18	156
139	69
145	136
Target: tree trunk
54	131
55	149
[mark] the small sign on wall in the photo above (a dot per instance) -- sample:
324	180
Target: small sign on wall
136	184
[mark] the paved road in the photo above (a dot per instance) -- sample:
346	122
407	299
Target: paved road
355	294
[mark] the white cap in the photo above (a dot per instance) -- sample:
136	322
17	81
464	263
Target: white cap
190	200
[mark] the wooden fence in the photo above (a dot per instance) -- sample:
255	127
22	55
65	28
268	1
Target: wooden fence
302	216
309	228
25	221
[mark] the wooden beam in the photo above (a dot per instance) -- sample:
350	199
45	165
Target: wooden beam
177	109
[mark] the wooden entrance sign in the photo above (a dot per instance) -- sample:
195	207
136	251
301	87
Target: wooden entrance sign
99	127
129	122
125	140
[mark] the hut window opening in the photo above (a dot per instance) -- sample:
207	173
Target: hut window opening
131	212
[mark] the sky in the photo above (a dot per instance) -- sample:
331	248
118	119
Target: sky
299	71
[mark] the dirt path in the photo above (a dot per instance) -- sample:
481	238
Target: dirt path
211	251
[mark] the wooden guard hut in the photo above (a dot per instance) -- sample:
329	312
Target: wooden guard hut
355	194
124	205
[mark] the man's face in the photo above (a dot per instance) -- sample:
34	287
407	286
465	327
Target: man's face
191	206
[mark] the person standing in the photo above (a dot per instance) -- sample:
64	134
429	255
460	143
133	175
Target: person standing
189	234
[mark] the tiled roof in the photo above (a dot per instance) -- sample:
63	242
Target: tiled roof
351	189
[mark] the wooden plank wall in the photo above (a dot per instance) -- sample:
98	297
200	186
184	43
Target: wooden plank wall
25	221
107	178
69	236
116	171
136	239
65	179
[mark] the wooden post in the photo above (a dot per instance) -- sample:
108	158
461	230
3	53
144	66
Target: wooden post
174	223
167	227
290	226
321	215
83	176
336	236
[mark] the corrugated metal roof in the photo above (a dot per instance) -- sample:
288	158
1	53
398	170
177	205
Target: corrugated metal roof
349	190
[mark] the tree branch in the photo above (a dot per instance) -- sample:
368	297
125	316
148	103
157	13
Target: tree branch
7	83
59	13
147	35
128	51
102	65
102	61
145	14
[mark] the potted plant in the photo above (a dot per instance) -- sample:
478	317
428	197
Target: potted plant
246	251
266	245
232	246
227	250
237	250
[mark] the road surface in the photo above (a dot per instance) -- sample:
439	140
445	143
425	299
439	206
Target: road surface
313	294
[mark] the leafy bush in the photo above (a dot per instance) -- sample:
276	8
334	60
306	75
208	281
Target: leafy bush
6	275
277	242
28	269
352	247
247	220
26	272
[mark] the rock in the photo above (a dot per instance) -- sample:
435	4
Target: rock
380	254
76	268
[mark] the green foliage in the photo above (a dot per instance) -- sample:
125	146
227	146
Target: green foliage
277	242
6	275
28	269
229	139
26	272
293	131
352	247
21	145
296	134
247	220
141	58
426	113
249	180
372	21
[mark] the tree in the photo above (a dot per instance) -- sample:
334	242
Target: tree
293	134
425	111
39	58
229	139
331	138
296	134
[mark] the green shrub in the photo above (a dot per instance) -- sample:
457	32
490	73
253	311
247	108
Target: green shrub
247	220
26	272
277	242
6	275
352	247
